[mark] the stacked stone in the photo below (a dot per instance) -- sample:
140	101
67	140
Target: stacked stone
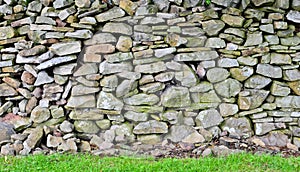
90	75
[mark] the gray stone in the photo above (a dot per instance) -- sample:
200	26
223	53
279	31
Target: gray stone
135	116
290	41
164	77
80	34
6	131
291	75
228	88
176	97
6	33
228	63
280	59
227	109
208	118
40	114
152	87
179	132
280	89
43	78
109	101
296	5
225	3
241	74
86	101
113	13
213	27
269	70
118	28
151	127
101	38
262	2
275	138
142	99
202	87
233	21
254	39
79	90
124	44
257	82
186	77
34	138
263	128
53	141
294	16
86	69
62	3
125	87
67	69
151	68
35	6
288	102
217	74
103	124
55	61
163	52
238	127
152	20
89	127
215	43
196	56
6	90
66	48
251	99
110	68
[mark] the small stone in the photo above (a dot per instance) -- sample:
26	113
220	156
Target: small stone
217	74
254	39
208	118
6	33
53	141
6	131
257	82
109	101
294	16
176	97
142	99
80	34
227	109
228	88
34	138
43	78
66	127
269	70
86	101
215	43
113	13
129	6
88	127
213	27
135	116
151	127
101	38
262	2
66	48
233	21
6	90
238	127
117	28
151	68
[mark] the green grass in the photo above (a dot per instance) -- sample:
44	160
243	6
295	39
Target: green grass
80	162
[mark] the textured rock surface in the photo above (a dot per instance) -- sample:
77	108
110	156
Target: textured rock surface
90	74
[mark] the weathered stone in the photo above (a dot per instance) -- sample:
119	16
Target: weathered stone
175	40
176	97
151	139
241	74
224	3
251	99
53	141
151	127
227	109
208	118
269	70
135	116
124	44
163	52
294	16
202	87
228	88
6	33
142	99
228	63
296	5
109	101
40	114
43	78
125	87
263	128
85	101
80	34
257	82
295	86
238	127
62	49
34	138
179	132
254	39
103	124
151	68
86	127
129	6
79	90
113	13
290	41
55	61
262	2
233	21
213	27
275	138
6	131
117	28
86	114
152	87
288	101
196	56
101	38
6	90
280	89
109	68
291	75
215	43
186	77
217	74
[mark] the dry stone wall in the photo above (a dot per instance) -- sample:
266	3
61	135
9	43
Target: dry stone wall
82	75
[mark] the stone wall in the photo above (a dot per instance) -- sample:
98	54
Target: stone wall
85	75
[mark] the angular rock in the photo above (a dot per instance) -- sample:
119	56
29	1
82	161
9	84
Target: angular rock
254	39
296	5
101	38
228	88
269	70
124	44
257	82
251	99
80	34
294	16
215	42
86	101
66	48
241	74
238	127
208	118
110	68
151	127
263	128
6	131
151	68
142	99
79	90
40	114
176	97
217	74
275	138
186	77
109	101
55	61
88	127
34	138
113	13
288	102
135	116
227	109
262	2
179	132
43	78
6	90
117	28
291	75
6	33
279	89
197	56
213	27
233	21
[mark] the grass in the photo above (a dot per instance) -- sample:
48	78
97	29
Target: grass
81	162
